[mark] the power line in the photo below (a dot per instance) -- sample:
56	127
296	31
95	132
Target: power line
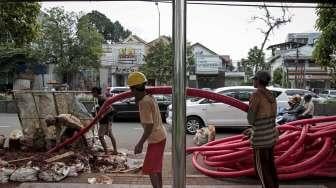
333	5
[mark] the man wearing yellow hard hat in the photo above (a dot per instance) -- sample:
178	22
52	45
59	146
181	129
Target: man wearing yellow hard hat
154	132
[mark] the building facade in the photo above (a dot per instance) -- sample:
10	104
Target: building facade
209	67
296	59
120	59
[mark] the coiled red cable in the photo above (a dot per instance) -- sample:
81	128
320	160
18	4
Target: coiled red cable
304	148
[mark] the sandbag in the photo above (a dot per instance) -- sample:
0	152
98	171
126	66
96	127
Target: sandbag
25	174
5	174
75	168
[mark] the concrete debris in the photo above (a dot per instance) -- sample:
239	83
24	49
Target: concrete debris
103	179
54	173
25	174
5	174
71	163
75	168
3	163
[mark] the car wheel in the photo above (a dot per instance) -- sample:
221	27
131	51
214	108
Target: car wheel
193	123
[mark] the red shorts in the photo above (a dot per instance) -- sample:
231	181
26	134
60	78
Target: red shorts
154	158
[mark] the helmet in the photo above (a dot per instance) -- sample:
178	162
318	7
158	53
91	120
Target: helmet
136	78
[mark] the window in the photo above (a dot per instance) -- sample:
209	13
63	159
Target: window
276	93
295	92
325	92
239	94
244	95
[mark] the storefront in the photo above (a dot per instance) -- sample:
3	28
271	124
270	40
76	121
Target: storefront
121	59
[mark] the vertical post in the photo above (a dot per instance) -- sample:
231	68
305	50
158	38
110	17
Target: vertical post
157	6
296	67
179	90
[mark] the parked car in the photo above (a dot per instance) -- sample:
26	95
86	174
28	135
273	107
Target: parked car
200	113
316	98
329	94
111	91
127	109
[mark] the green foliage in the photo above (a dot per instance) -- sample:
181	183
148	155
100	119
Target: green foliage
71	45
159	62
18	23
247	68
325	49
256	59
112	32
89	44
280	78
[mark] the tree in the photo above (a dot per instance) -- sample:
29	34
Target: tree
255	59
18	23
112	32
271	23
69	44
325	49
159	62
89	44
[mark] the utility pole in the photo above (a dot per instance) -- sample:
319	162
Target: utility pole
296	66
157	6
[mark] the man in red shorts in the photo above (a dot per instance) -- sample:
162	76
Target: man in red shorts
154	132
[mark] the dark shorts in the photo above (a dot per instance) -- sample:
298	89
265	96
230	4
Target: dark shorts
154	158
104	129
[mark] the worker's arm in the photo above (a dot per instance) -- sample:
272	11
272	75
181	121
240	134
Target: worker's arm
147	132
253	107
147	120
308	110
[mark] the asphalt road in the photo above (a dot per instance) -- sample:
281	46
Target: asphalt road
127	133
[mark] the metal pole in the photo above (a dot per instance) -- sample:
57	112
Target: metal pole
157	6
179	90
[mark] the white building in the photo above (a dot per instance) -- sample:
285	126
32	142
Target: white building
209	67
120	59
295	56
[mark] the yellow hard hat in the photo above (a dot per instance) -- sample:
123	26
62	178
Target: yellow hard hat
136	78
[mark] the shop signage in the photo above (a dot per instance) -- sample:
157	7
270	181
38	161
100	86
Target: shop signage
127	54
207	64
119	69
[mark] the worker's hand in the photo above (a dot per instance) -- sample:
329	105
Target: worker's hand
138	148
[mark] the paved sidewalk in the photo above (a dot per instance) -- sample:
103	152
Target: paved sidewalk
61	185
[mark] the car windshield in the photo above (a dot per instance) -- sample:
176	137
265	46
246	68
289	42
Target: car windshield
332	92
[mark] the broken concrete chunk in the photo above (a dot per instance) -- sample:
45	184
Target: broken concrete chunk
56	172
5	174
103	179
25	174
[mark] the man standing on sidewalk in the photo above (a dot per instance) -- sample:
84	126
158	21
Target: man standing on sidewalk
105	124
154	132
263	135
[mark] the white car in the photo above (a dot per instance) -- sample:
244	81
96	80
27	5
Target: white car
202	112
329	94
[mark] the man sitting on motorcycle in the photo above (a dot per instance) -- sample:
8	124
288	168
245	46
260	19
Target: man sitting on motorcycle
295	110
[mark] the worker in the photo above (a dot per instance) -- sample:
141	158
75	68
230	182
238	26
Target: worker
66	126
105	124
154	131
263	134
308	108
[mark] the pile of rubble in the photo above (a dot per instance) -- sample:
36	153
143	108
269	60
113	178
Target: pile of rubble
25	166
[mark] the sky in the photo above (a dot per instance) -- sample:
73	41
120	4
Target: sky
225	30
